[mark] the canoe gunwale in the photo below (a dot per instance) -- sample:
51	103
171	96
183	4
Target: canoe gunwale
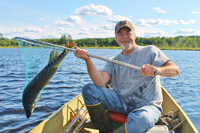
187	125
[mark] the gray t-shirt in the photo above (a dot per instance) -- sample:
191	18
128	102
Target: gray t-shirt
130	85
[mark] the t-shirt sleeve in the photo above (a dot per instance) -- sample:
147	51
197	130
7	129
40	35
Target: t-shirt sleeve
158	57
108	68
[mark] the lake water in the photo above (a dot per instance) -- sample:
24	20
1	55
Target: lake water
71	77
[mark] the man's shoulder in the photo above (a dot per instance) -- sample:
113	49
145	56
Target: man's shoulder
116	56
148	48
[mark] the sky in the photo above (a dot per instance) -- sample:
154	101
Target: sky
37	19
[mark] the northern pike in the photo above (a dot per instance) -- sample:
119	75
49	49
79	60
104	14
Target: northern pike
31	93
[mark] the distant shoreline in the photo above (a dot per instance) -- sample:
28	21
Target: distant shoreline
161	48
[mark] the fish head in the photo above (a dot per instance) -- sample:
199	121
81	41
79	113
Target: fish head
30	109
28	114
29	103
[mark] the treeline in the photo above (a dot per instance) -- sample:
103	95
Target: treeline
163	42
182	42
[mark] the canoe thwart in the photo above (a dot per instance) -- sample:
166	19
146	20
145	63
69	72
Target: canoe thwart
178	125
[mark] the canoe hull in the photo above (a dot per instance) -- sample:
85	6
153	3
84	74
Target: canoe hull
60	119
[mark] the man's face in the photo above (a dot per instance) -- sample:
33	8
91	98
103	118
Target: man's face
125	38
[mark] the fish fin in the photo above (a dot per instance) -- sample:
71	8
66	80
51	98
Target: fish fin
57	54
33	106
40	99
51	55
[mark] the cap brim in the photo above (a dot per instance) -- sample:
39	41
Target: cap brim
122	27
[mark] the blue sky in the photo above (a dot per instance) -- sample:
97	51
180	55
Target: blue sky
96	19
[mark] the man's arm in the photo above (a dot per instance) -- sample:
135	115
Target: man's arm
168	69
98	78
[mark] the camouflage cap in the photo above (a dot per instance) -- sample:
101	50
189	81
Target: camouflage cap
124	23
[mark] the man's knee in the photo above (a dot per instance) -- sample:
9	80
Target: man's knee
87	89
90	93
139	124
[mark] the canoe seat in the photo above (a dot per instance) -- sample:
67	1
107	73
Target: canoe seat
117	119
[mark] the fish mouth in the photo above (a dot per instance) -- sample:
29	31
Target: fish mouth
28	114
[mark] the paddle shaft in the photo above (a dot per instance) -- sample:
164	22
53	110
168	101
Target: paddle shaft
89	54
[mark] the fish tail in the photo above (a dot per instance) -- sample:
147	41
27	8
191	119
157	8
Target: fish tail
71	44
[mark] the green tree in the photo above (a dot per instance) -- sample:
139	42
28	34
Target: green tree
95	43
63	39
164	43
69	37
1	35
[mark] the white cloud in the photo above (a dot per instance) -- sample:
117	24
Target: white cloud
46	26
1	31
151	22
53	36
158	9
117	18
63	23
93	10
83	33
84	29
76	20
32	29
97	30
64	31
191	21
13	31
167	22
195	12
107	27
71	21
29	36
155	33
42	19
188	31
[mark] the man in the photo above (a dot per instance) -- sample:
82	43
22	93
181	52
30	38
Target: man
132	92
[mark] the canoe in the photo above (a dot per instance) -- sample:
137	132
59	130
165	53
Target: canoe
67	118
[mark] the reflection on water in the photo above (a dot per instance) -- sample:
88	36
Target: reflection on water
70	78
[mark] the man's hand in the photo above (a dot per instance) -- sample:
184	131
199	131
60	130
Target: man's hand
168	69
148	70
81	53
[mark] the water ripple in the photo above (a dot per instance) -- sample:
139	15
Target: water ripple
72	76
